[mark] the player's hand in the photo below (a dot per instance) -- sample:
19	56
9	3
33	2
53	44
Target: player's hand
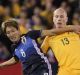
0	66
77	29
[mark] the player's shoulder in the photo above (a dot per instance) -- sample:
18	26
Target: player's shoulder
67	35
49	37
26	35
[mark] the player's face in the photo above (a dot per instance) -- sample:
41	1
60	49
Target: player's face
59	19
13	34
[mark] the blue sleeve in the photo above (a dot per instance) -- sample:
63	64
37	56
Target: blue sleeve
34	34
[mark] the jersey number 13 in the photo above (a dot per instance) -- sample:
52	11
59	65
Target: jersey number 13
65	41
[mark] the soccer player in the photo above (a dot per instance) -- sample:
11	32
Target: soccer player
27	50
66	46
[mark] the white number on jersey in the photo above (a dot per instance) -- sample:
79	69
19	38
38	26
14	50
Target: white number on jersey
22	53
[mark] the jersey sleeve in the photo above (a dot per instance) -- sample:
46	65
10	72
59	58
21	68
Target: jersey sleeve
16	58
13	46
45	45
34	34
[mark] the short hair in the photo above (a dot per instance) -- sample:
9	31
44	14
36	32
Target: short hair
11	22
61	10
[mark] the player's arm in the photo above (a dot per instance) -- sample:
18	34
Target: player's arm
9	62
57	31
47	50
34	34
51	56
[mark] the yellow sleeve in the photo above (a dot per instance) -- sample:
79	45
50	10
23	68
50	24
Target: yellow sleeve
45	45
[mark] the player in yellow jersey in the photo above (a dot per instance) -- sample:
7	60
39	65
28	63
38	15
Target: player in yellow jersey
66	46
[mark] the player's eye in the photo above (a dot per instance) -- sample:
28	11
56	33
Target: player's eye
56	16
7	32
61	16
13	31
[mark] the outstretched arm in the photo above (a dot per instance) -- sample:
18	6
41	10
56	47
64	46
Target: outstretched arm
57	31
9	62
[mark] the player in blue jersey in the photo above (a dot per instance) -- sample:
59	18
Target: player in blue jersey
26	48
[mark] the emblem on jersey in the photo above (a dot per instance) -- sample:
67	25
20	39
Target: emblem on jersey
16	49
23	39
46	74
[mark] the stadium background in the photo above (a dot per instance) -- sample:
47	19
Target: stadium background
34	14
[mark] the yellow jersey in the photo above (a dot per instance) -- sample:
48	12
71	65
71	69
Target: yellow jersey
66	48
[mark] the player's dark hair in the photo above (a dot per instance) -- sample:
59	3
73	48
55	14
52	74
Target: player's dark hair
10	23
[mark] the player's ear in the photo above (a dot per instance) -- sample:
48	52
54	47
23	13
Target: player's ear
66	19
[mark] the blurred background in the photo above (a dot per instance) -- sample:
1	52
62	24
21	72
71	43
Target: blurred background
34	15
37	14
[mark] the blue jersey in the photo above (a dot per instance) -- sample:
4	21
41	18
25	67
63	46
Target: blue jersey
27	50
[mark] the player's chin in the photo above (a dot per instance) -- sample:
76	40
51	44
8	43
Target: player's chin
13	40
60	26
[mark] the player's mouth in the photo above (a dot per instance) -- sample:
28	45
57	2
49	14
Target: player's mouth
59	23
13	38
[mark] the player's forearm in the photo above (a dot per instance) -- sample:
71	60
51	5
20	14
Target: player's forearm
57	31
8	63
62	30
